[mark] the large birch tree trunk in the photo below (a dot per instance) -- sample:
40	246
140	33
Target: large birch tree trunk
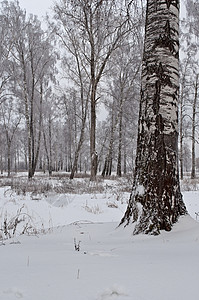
156	202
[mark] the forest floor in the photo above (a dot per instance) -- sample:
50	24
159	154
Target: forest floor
59	239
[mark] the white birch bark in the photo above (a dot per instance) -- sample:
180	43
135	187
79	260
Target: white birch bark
156	202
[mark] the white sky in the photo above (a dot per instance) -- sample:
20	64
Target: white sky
36	7
40	7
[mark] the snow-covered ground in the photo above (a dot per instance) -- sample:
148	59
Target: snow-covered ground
111	264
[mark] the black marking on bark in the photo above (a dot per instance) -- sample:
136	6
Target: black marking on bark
173	2
148	122
168	3
167	28
161	73
166	40
159	123
156	5
162	80
156	101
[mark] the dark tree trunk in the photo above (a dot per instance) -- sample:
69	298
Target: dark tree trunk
125	154
193	136
1	162
182	115
80	143
181	158
156	202
36	155
119	158
9	158
93	133
107	169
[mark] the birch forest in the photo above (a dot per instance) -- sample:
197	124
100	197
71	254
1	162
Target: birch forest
70	88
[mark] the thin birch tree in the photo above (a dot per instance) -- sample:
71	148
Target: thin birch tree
33	60
100	27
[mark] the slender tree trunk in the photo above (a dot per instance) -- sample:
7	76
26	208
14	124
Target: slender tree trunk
107	169
1	161
29	157
193	137
36	156
93	134
26	159
156	202
27	119
125	154
81	140
48	149
16	161
119	158
50	168
181	142
32	138
9	158
181	111
9	139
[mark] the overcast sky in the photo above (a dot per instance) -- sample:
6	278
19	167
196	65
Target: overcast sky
40	7
36	7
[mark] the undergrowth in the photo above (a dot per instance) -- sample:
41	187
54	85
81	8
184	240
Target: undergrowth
63	185
189	184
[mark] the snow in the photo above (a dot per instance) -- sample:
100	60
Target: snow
140	190
112	264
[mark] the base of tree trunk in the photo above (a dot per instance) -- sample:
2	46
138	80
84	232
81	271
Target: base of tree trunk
151	219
